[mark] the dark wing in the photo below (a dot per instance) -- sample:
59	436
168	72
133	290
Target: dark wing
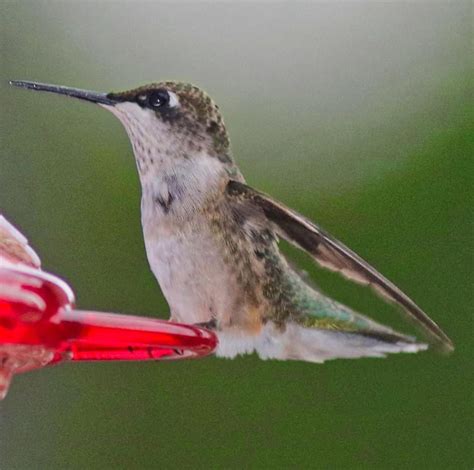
332	254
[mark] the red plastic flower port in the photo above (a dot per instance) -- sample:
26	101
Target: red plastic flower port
39	327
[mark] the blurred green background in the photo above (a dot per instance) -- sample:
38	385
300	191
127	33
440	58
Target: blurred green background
356	114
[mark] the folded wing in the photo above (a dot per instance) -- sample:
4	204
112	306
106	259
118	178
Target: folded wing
332	254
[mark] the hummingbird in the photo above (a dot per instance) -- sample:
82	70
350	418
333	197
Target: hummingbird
212	241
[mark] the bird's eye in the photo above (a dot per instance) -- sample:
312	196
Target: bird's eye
158	99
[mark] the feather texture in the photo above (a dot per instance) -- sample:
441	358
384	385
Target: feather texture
332	254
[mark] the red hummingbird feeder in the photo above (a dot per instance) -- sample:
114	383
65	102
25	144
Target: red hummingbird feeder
39	325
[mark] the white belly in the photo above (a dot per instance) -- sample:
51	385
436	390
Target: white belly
193	277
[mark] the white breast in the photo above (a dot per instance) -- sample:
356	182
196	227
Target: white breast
193	277
183	252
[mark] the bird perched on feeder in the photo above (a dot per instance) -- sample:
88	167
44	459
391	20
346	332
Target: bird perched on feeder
212	240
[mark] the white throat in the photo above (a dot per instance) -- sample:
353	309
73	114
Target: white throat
174	179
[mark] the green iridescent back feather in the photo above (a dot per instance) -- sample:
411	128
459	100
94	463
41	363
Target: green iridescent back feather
292	299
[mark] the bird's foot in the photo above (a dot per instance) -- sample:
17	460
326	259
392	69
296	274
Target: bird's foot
209	325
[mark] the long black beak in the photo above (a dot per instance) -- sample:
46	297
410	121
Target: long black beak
92	96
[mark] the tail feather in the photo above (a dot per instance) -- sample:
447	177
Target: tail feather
297	342
315	345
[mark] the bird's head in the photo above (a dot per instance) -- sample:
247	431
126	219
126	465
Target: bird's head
166	122
178	116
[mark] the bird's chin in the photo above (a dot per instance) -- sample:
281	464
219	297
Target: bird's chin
106	106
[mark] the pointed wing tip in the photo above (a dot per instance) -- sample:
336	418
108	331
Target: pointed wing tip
437	338
440	341
445	347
